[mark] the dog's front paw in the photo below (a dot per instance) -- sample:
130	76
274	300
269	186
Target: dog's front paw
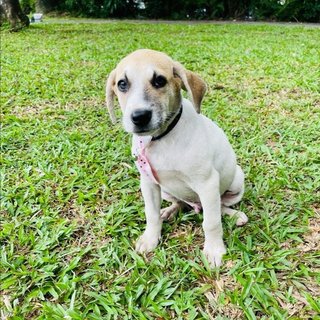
214	254
147	242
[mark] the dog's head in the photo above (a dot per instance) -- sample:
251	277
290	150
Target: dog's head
148	86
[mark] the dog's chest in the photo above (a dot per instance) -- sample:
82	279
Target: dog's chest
174	174
164	167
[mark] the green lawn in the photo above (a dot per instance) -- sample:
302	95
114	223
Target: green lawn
71	206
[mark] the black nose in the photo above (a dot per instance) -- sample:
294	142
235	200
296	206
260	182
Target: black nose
141	117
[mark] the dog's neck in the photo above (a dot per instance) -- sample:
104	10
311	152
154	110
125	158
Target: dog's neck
170	126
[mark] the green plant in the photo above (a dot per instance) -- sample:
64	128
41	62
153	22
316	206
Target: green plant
71	208
28	6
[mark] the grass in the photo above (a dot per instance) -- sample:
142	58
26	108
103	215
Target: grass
71	206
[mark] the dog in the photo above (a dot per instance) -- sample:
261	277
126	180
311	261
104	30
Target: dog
183	157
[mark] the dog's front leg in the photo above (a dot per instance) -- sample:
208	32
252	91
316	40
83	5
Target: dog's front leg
152	199
209	195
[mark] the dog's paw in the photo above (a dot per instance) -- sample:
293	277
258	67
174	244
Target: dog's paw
242	219
147	242
169	212
214	254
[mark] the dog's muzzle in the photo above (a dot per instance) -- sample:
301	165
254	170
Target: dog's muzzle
141	118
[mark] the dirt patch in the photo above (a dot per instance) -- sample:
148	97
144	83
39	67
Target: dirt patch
228	309
30	111
312	237
54	109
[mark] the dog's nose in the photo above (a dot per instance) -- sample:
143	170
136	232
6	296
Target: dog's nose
141	117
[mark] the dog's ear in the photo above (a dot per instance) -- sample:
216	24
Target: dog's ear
192	83
110	95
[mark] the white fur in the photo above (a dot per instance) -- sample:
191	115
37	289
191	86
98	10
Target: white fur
194	163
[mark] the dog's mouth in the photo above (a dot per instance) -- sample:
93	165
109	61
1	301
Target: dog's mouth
145	131
158	128
153	127
158	124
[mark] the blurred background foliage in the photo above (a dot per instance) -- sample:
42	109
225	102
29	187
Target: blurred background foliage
275	10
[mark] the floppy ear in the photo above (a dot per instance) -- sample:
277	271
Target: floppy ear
192	83
110	95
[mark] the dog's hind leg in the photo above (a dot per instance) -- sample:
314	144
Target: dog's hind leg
232	196
242	218
235	192
176	205
169	212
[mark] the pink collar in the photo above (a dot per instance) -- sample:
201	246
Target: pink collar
140	144
143	164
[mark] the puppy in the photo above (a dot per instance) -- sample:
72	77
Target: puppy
183	157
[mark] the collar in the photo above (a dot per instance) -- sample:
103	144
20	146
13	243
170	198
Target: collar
170	127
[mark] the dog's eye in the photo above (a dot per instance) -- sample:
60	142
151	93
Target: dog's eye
159	81
123	85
